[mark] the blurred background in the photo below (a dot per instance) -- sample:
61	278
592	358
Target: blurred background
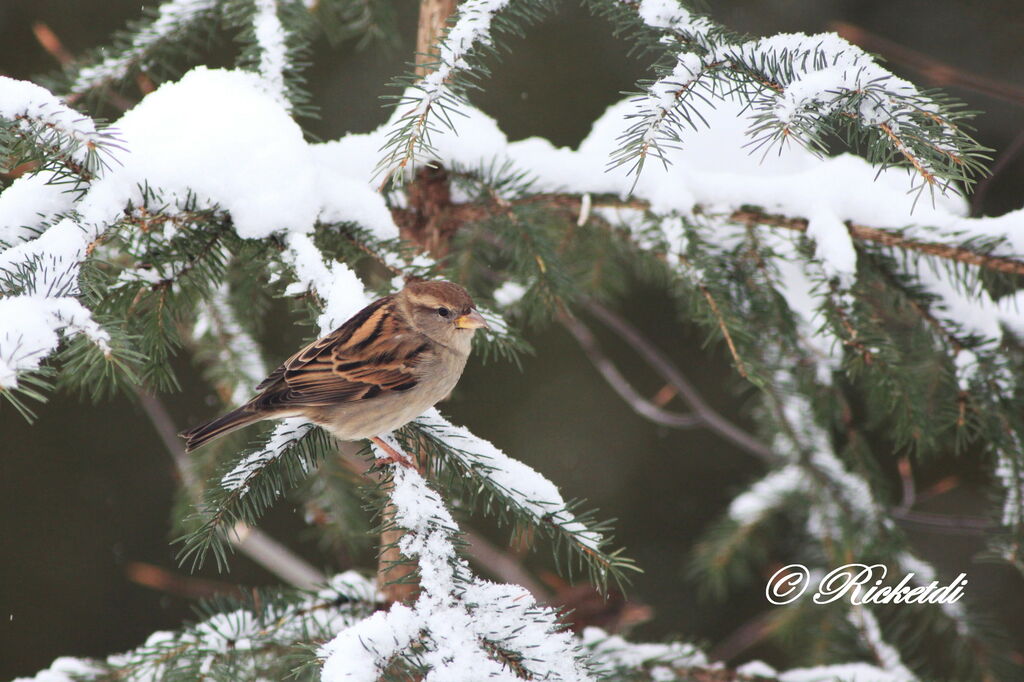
85	492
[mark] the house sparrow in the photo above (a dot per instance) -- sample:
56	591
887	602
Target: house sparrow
394	359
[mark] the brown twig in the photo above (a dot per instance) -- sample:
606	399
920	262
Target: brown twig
395	575
250	541
660	363
433	18
1000	164
725	331
620	384
51	43
458	213
934	71
1013	266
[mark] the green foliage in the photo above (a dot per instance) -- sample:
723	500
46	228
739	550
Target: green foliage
263	483
850	377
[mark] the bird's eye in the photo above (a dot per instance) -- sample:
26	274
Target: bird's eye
444	312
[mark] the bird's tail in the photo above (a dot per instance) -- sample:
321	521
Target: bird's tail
200	435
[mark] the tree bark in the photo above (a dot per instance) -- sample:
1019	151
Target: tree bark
433	17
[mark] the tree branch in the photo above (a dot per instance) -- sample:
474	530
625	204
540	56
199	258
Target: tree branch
751	218
620	385
660	363
252	542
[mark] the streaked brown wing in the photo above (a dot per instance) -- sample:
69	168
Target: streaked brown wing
346	364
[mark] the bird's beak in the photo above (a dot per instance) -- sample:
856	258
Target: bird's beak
472	320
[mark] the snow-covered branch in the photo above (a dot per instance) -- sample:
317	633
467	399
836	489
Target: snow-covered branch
172	20
460	627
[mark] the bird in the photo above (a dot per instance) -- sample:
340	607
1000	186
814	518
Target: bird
381	369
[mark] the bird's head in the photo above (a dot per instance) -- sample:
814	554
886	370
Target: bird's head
442	311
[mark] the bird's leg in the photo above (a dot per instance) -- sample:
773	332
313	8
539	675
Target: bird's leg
394	456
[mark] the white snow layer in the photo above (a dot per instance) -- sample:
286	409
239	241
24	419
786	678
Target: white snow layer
172	18
455	615
270	37
29	327
217	136
27	102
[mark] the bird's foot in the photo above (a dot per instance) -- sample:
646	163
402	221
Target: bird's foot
393	455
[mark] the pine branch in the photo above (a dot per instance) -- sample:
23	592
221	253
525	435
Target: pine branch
799	88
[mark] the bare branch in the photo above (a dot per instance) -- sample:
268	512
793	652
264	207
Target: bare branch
660	363
252	542
620	385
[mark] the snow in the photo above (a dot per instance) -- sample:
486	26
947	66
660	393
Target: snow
509	293
285	435
224	634
172	18
843	672
346	193
664	92
526	488
455	615
339	287
870	631
270	37
472	26
359	653
29	327
670	15
29	203
31	103
833	245
64	669
826	69
1008	471
614	651
767	494
218	135
756	669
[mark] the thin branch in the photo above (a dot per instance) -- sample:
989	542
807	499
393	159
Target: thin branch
501	564
1002	161
725	331
936	72
275	557
753	218
660	363
943	523
1013	266
254	543
620	384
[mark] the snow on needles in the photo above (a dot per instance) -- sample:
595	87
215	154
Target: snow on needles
270	37
472	26
458	620
528	489
29	327
285	435
29	103
215	137
172	18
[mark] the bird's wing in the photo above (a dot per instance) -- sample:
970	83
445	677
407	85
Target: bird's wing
363	358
